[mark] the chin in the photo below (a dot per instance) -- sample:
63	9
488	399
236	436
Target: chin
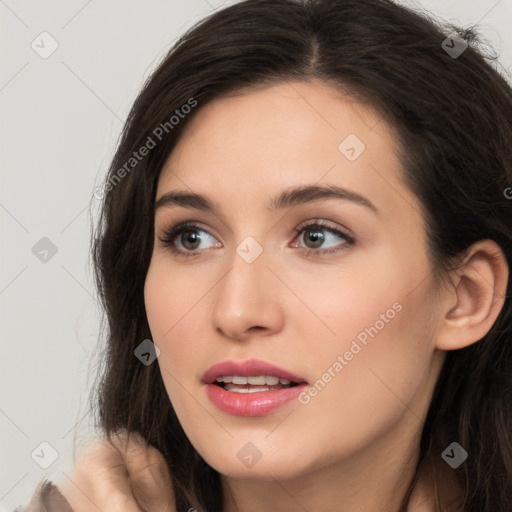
249	463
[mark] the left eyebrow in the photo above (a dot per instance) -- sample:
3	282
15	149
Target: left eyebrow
288	198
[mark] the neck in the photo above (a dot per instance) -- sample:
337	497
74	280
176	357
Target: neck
376	478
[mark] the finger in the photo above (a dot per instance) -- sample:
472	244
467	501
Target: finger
100	482
149	474
98	496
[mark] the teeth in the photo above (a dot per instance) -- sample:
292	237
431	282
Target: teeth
260	380
257	380
224	379
253	389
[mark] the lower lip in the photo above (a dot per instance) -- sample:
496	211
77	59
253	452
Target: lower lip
251	404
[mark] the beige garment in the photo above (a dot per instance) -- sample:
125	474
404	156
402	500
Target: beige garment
46	498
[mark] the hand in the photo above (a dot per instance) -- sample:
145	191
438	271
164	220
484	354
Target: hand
125	475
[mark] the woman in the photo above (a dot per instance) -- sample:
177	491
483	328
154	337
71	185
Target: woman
304	259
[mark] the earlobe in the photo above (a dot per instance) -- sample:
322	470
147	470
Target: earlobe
480	286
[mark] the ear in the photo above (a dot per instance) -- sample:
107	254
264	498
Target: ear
472	306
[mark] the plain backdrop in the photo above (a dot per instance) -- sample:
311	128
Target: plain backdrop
61	115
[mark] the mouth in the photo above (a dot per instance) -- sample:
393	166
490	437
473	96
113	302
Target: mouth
251	388
253	384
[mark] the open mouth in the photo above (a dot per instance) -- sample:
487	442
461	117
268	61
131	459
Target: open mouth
251	387
254	384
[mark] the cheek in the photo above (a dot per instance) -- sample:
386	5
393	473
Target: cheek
173	306
373	355
172	299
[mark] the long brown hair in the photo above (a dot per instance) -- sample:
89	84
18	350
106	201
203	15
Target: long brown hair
453	116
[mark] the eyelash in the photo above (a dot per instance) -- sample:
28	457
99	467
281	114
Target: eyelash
171	233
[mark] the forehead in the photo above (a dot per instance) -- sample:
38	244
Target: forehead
263	119
289	134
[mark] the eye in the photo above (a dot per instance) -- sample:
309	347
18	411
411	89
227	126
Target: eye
314	237
186	235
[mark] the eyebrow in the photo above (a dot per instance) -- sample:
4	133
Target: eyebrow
288	198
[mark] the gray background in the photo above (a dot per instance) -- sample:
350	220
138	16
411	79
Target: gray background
60	119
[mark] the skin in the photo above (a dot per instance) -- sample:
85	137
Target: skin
124	474
356	439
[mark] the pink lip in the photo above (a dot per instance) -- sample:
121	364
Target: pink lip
249	368
250	404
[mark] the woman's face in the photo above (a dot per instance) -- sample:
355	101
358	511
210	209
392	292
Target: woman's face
345	307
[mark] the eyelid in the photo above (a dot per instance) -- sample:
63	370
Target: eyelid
327	225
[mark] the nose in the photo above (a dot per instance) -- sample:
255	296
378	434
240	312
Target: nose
247	300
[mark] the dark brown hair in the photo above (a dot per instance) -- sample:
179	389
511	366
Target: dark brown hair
453	116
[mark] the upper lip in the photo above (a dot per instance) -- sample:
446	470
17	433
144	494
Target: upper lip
248	368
